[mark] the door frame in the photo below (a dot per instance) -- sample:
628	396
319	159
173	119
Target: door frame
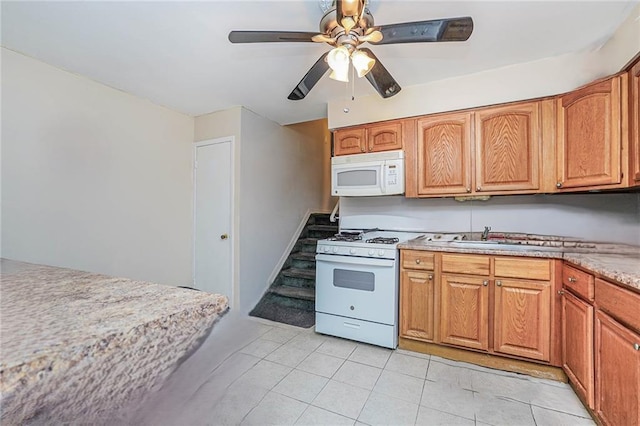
233	297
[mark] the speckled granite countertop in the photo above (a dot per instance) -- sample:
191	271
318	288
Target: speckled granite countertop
618	262
77	344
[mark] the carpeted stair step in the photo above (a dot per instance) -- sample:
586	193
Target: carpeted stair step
302	260
322	231
304	293
307	274
286	310
307	245
295	277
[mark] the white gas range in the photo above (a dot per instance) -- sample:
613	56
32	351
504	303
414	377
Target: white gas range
357	284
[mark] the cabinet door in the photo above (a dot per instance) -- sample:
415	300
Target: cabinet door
521	318
416	304
444	154
617	373
464	311
588	135
349	141
384	137
577	345
507	142
634	119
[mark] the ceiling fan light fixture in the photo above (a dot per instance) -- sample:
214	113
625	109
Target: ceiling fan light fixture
362	62
338	60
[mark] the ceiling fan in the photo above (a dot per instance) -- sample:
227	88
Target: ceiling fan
346	25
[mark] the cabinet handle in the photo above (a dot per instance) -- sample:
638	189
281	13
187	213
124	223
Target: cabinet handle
636	346
559	185
499	283
468	189
430	276
362	149
478	188
485	283
418	261
572	280
560	292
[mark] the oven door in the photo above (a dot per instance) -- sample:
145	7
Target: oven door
356	287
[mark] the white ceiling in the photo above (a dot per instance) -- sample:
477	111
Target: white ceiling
177	54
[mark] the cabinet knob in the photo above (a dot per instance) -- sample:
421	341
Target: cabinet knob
485	283
430	276
418	261
362	149
559	185
572	280
499	283
468	189
636	346
478	188
560	292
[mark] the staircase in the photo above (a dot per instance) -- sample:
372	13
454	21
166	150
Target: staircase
291	297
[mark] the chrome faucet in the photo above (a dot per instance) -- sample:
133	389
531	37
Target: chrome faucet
485	233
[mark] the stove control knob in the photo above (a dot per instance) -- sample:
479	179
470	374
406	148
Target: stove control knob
352	251
372	252
335	249
326	249
380	252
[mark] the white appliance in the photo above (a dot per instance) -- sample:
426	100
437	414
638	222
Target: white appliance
376	173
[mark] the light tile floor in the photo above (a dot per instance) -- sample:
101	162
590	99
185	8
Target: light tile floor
256	372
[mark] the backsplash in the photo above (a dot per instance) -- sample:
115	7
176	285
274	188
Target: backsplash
593	217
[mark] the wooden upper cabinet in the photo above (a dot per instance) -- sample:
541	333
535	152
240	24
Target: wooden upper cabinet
384	137
349	141
588	135
444	154
521	322
634	120
370	138
507	147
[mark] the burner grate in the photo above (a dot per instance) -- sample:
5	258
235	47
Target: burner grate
383	240
346	236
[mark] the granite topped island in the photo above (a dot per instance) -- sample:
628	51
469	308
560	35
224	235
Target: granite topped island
77	346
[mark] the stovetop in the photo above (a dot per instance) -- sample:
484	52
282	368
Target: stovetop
373	242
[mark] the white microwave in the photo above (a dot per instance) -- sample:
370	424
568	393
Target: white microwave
365	175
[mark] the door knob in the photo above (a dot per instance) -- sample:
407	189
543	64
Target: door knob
224	236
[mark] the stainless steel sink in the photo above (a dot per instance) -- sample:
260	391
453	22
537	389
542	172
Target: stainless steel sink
499	245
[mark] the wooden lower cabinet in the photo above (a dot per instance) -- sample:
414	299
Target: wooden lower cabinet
464	319
522	312
617	366
577	345
417	299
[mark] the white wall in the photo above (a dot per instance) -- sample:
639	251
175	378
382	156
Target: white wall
93	178
279	177
594	217
545	77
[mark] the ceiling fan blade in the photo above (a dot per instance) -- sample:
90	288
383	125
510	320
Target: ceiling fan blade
453	29
269	36
380	78
310	79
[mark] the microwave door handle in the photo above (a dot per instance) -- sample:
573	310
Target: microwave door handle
383	184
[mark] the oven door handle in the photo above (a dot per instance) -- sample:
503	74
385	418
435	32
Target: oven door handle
355	260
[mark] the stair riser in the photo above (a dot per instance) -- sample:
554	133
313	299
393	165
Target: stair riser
321	234
305	247
308	305
303	264
322	220
297	282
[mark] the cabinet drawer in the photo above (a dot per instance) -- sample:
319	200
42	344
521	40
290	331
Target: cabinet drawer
465	264
531	269
618	302
578	281
415	259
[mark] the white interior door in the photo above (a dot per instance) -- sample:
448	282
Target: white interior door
213	214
